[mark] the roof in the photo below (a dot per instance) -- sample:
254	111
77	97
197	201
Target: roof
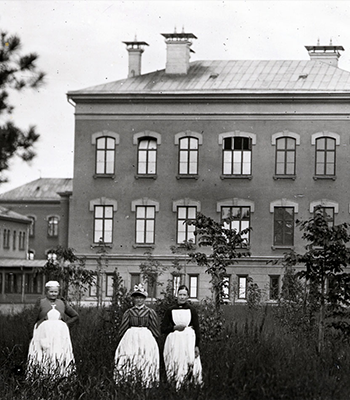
231	76
16	262
11	215
40	189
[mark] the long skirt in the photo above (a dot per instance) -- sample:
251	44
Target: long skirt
137	357
50	350
181	365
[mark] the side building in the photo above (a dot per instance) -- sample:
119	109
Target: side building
263	142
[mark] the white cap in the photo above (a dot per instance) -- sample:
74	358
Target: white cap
52	284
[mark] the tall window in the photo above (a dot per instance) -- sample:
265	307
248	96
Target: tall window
237	156
109	285
103	224
22	240
185	232
14	239
145	224
226	287
135	279
283	226
325	156
193	286
13	282
6	239
236	218
285	156
328	213
52	227
32	226
274	287
105	155
242	287
33	283
188	156
147	156
176	283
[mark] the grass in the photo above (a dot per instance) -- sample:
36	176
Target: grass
254	357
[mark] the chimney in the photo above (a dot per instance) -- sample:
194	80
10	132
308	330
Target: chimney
325	54
178	52
135	50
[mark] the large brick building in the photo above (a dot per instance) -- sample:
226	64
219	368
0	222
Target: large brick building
262	141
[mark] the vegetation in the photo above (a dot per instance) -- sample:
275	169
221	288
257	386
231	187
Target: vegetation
17	72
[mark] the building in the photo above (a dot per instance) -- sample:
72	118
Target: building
262	141
18	283
45	202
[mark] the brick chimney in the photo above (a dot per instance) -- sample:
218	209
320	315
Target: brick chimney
178	52
135	50
326	54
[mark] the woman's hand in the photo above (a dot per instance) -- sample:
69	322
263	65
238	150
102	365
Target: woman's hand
179	327
196	351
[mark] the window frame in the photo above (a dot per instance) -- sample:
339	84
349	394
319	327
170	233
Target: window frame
32	226
330	220
104	220
231	207
13	284
35	281
274	292
326	153
188	152
148	151
14	240
6	239
192	288
284	229
144	220
52	226
233	152
105	152
239	290
285	151
187	228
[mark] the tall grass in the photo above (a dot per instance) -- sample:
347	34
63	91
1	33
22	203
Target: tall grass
253	357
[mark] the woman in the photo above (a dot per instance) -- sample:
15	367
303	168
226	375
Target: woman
181	349
137	355
50	350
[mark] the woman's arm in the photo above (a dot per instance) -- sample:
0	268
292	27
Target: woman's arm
167	325
195	325
72	314
124	325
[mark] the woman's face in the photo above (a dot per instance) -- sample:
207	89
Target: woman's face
52	293
138	300
182	296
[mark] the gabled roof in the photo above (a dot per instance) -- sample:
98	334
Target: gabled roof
234	77
6	214
40	189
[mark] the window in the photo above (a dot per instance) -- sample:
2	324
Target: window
6	239
145	224
14	239
283	226
33	284
0	282
237	156
328	213
188	156
176	283
239	219
274	287
135	279
325	156
103	224
31	255
13	282
109	285
32	226
285	156
22	240
52	227
105	155
93	287
147	156
242	287
185	232
193	286
226	287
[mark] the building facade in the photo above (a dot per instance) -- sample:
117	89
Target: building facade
264	142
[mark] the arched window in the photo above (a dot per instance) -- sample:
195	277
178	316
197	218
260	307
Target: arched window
147	156
325	156
52	226
105	155
285	156
188	156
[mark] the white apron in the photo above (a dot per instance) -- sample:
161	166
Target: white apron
179	356
50	350
137	357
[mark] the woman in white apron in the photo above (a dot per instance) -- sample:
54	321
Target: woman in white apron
137	355
181	350
50	350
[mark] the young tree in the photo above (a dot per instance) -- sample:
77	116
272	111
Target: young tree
65	267
227	245
17	72
325	258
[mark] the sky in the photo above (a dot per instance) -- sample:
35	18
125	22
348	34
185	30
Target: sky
79	44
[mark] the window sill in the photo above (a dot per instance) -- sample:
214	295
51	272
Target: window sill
137	176
325	177
249	177
143	246
95	246
282	247
104	176
280	177
187	177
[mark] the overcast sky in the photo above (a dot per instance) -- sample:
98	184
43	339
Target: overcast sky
79	44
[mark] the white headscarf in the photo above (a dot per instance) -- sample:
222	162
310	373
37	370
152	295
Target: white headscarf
52	284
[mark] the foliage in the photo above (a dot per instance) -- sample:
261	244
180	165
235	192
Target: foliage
211	321
65	267
325	258
226	247
17	72
151	269
253	294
